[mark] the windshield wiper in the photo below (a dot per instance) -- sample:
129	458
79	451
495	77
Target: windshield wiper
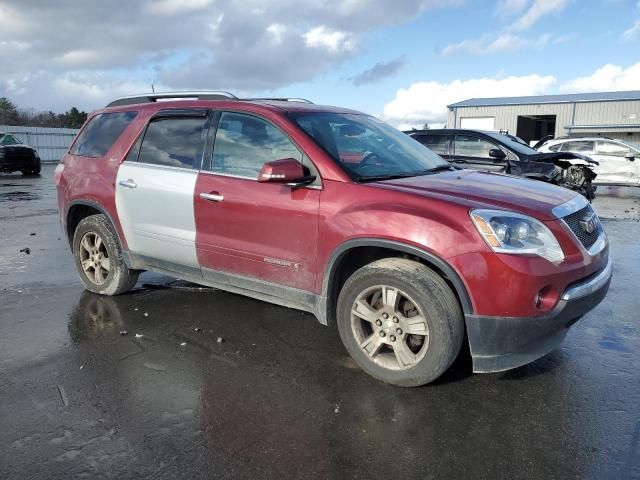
429	171
439	168
374	178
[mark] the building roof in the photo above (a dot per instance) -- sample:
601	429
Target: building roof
541	99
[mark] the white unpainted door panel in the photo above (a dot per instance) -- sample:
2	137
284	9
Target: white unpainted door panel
478	123
615	169
155	208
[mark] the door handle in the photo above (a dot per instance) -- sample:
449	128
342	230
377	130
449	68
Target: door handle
128	183
212	197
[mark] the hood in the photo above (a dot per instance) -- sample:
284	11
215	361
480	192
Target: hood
553	156
477	189
18	146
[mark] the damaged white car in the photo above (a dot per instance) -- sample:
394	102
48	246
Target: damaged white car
618	161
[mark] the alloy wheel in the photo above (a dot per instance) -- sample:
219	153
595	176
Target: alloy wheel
389	327
94	258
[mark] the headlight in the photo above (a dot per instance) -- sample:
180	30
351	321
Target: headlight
514	233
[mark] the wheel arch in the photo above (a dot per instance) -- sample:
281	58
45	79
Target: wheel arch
353	254
79	209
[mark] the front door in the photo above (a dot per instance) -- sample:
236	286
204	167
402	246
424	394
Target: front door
154	190
615	166
471	151
261	232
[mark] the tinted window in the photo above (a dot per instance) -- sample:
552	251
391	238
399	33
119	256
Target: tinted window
173	142
101	133
581	146
9	140
468	146
436	143
555	148
365	147
614	149
244	143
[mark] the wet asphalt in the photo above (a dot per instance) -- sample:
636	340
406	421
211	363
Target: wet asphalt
277	396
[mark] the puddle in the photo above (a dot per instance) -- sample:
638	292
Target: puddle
18	196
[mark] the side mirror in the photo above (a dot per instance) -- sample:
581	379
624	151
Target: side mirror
630	156
286	170
497	154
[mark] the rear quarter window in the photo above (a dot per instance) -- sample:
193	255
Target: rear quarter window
101	133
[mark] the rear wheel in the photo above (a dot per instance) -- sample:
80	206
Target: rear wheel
400	321
98	257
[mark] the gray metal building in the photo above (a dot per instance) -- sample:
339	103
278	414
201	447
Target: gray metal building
611	114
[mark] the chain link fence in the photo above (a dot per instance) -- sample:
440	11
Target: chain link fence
51	143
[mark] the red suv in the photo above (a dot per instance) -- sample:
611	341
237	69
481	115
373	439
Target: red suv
334	212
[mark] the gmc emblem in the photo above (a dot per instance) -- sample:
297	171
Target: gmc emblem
588	224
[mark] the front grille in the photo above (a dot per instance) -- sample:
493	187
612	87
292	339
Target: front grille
573	222
17	154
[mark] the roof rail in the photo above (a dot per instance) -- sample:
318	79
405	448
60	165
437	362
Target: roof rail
281	99
189	95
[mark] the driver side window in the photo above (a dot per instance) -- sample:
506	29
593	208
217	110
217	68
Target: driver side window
244	143
470	146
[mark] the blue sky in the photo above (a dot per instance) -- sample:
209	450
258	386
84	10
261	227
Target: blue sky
402	60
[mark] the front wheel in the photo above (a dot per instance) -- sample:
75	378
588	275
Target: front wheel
400	322
98	257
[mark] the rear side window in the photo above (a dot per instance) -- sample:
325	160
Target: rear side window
174	142
436	143
101	133
579	146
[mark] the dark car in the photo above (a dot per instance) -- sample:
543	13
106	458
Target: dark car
17	157
504	153
334	212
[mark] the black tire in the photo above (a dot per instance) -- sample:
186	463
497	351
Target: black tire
32	172
431	295
119	279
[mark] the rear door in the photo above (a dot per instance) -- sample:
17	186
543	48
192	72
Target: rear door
472	151
262	233
615	167
155	187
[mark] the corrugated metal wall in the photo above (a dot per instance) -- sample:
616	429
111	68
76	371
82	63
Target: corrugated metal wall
51	143
597	114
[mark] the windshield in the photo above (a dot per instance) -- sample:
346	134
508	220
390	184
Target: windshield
367	148
6	139
510	142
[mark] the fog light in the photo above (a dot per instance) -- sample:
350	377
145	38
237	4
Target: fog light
546	298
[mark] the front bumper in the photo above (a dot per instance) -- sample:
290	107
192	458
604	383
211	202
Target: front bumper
502	343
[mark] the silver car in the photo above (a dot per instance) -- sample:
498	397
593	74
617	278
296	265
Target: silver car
619	162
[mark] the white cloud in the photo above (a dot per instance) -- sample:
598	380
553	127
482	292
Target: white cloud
241	45
171	7
633	31
426	102
331	40
508	7
487	44
537	10
607	78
